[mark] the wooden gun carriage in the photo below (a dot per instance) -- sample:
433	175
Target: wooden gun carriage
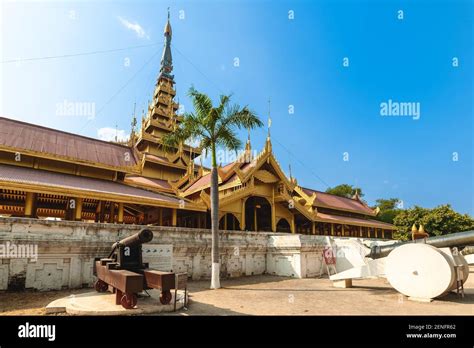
125	272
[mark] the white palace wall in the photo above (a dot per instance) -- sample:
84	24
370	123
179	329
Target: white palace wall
66	250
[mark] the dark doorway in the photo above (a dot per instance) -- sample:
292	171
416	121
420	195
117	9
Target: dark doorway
258	209
229	222
283	226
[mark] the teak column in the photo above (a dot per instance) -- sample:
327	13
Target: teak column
274	224
174	217
30	204
120	213
111	212
78	210
242	218
255	217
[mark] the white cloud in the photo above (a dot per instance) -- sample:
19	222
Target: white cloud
108	134
194	142
137	28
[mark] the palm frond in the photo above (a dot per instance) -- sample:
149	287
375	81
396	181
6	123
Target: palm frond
227	138
205	144
241	118
188	128
202	103
212	126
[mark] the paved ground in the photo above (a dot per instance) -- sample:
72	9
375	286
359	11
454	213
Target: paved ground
270	295
267	295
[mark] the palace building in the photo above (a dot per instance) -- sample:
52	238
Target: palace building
47	173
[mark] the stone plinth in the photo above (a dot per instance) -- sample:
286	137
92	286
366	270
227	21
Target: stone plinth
94	303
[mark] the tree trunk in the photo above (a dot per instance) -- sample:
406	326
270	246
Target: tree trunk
215	280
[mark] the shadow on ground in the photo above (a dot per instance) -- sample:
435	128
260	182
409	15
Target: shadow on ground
31	302
196	308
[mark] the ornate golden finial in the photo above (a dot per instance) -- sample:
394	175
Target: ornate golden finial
133	125
356	195
268	145
191	162
248	146
168	25
134	119
269	117
420	234
201	169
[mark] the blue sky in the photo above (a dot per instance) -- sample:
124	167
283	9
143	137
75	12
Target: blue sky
296	62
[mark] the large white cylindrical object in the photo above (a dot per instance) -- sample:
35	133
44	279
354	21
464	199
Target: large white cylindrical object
457	259
420	271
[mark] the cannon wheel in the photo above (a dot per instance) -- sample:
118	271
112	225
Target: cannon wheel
129	301
165	297
101	286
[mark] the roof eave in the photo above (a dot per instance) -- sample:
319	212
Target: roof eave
129	170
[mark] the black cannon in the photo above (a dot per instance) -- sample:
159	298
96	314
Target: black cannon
124	271
127	253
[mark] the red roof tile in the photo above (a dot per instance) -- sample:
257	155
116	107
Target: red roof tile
331	201
149	182
157	158
205	180
22	175
227	167
18	136
201	182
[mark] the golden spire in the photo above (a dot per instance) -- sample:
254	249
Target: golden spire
356	195
201	169
248	146
268	143
421	229
168	25
414	229
167	59
269	117
191	163
247	155
133	126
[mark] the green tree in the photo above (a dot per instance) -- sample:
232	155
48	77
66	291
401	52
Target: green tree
345	190
388	209
437	221
213	127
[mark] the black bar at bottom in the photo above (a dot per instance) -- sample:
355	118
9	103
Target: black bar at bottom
288	330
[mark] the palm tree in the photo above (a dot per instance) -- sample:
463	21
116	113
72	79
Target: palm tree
213	127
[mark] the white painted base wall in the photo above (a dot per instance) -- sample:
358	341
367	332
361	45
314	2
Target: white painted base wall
66	251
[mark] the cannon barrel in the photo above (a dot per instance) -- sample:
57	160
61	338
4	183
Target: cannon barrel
448	240
144	236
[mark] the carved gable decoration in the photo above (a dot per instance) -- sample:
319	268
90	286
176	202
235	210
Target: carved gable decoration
266	176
